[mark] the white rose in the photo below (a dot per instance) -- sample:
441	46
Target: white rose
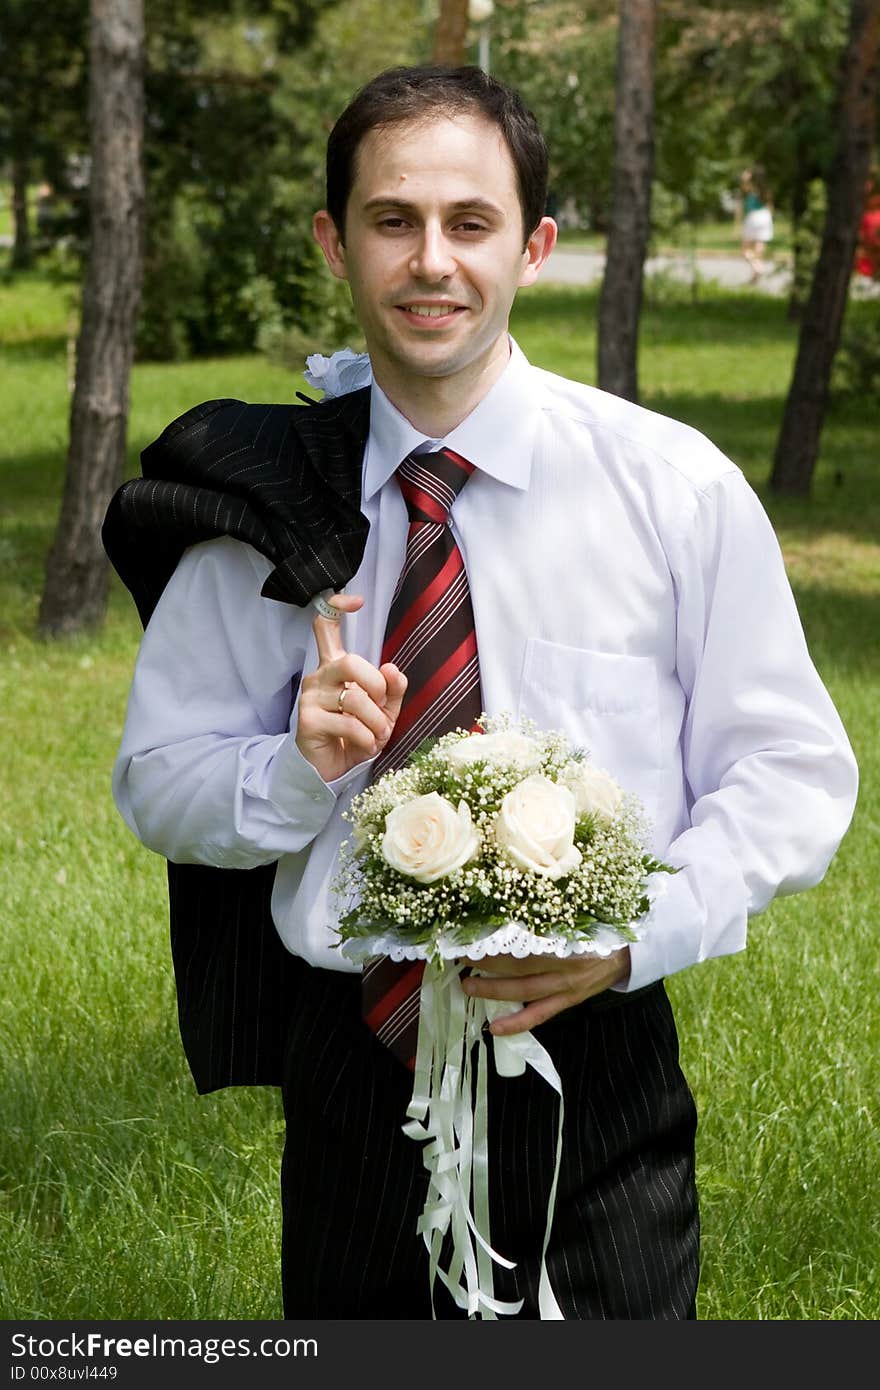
337	375
514	750
595	793
535	827
427	838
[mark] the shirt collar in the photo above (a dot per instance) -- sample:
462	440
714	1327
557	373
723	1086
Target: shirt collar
497	436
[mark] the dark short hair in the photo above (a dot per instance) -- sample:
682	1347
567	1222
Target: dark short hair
415	93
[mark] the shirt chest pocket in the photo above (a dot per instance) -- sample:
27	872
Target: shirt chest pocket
604	703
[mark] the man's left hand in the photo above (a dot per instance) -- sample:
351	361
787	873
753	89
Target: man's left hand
545	984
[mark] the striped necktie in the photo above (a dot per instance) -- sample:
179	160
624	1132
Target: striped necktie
430	636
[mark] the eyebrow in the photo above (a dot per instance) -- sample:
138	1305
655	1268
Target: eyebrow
460	205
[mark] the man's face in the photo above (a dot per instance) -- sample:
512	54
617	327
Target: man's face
434	250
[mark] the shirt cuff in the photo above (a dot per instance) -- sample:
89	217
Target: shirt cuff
299	790
682	929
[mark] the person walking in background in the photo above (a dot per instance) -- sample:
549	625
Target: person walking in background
756	219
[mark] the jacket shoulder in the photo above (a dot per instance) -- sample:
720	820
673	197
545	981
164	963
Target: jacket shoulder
212	431
210	436
196	414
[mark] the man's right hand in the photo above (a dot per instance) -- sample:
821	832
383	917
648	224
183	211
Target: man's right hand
333	738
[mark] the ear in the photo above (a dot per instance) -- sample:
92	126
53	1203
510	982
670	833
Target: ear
325	234
538	248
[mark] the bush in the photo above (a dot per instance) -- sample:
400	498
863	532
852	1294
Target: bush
321	321
857	363
234	269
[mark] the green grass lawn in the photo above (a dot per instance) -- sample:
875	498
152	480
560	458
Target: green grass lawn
122	1194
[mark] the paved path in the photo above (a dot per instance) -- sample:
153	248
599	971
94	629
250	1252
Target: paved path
569	267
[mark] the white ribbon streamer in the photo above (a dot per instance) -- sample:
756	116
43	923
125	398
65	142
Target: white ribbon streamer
448	1112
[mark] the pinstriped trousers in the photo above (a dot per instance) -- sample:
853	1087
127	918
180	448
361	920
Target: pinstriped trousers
625	1238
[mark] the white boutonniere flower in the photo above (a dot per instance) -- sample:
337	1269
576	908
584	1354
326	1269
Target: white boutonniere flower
340	374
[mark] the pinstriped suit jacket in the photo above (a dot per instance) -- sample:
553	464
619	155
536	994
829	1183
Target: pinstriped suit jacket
286	479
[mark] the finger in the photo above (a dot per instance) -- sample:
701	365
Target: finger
515	965
512	987
356	702
346	727
396	683
530	1016
328	631
350	667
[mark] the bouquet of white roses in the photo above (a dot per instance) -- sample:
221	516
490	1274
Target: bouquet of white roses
503	841
481	831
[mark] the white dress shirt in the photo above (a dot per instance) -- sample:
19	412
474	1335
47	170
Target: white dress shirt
627	589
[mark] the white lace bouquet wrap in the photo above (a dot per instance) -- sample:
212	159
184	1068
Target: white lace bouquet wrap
504	841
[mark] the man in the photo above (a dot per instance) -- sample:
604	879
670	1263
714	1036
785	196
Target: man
623	585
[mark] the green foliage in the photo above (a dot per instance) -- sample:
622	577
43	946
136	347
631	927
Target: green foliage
172	295
669	211
736	83
564	66
324	320
43	106
227	203
240	105
857	363
42	79
216	282
740	84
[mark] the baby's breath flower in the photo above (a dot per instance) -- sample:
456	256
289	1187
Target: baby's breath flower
608	885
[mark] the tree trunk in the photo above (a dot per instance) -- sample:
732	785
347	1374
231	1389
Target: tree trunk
75	595
798	445
798	212
620	301
450	35
21	245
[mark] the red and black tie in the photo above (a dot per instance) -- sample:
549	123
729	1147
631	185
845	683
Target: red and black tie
430	636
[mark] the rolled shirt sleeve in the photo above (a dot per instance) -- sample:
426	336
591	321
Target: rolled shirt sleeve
771	777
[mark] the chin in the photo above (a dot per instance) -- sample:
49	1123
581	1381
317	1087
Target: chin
443	359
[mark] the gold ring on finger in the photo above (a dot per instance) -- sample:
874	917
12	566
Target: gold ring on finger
346	686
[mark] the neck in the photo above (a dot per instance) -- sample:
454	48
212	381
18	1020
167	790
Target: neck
436	405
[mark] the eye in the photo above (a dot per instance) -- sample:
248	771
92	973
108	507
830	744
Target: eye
472	227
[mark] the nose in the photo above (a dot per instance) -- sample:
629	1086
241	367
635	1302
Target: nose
432	259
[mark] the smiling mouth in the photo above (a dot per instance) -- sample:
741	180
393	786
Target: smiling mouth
431	313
